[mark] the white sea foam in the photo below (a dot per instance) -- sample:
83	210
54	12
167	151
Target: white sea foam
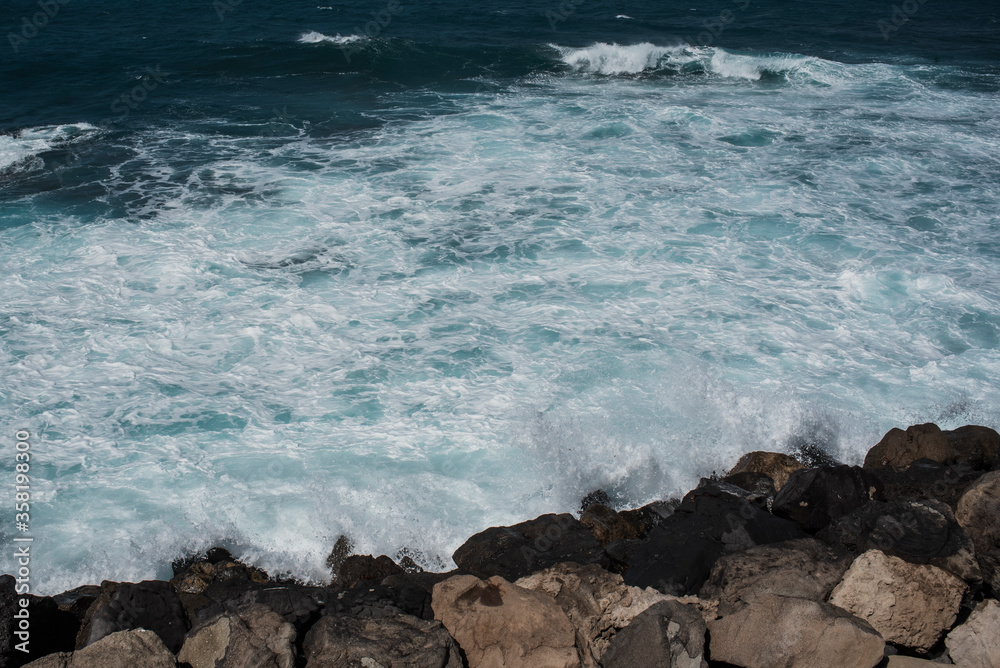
313	37
20	151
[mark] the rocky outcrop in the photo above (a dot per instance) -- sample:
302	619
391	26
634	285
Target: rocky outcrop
927	479
814	497
668	634
678	555
401	641
123	606
775	465
252	635
786	632
515	551
908	604
977	512
918	531
596	602
979	447
365	569
123	649
976	643
804	568
500	625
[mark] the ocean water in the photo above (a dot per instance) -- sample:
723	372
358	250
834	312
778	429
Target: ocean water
273	272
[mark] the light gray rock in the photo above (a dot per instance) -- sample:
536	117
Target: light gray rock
124	649
252	635
785	632
597	603
804	568
977	512
668	634
976	643
908	604
400	641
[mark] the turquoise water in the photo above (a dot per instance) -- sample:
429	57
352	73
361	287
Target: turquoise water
461	272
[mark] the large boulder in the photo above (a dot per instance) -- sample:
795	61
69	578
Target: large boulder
775	465
519	550
976	643
365	569
252	635
814	497
804	568
123	606
596	602
402	641
977	512
908	604
668	634
383	600
927	479
500	625
919	531
786	632
677	556
976	446
137	648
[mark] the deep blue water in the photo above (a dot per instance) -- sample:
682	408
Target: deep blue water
272	272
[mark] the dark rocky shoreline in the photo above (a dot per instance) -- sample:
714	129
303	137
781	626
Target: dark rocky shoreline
895	563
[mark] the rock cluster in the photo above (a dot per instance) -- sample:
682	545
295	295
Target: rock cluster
896	563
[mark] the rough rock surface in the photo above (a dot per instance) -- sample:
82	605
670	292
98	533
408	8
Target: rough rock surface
919	531
365	569
194	576
775	465
138	648
123	606
977	512
402	641
383	600
927	479
899	661
976	643
785	632
596	602
253	635
678	555
976	446
500	625
908	604
608	525
668	634
804	568
815	497
519	550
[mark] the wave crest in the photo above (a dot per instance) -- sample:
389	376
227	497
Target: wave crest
313	37
20	151
620	59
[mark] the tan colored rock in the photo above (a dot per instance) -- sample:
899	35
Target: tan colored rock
396	641
976	643
596	602
138	648
786	632
908	604
501	625
774	464
804	568
978	512
252	635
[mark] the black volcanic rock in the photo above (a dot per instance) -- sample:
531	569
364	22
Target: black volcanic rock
515	551
712	520
122	606
815	497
